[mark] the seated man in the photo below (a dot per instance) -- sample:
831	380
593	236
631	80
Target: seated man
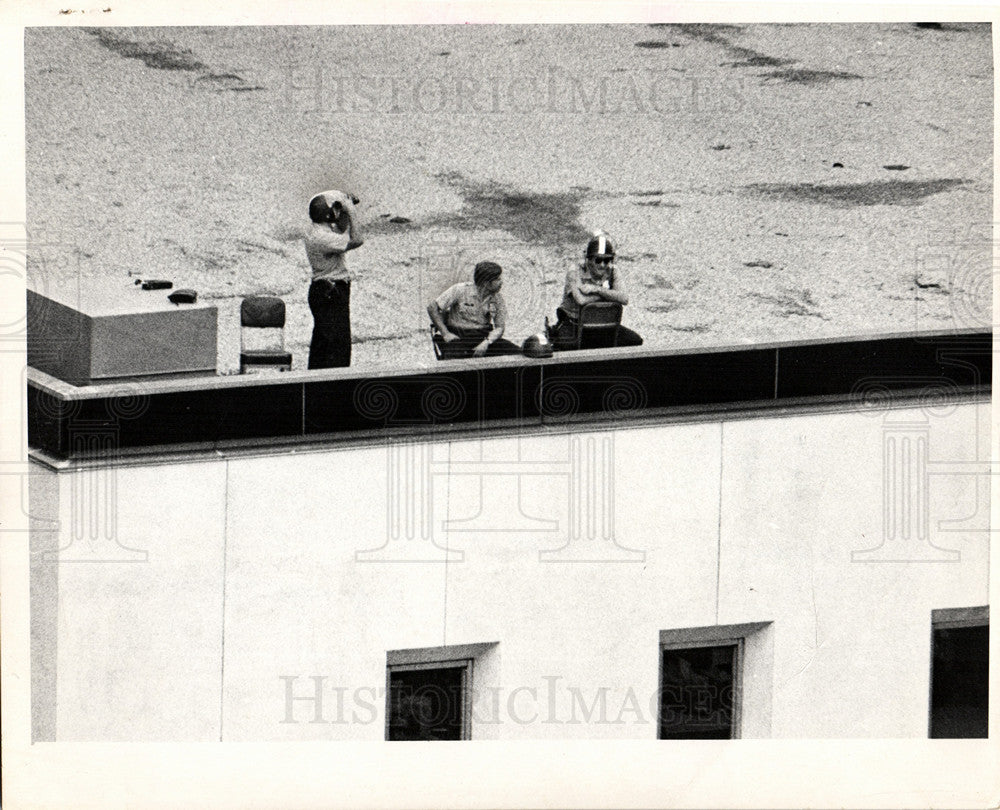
594	280
471	316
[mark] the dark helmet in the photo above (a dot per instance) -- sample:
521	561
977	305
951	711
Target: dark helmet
537	346
599	245
322	209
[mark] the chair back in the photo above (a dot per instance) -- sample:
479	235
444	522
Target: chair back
262	312
598	324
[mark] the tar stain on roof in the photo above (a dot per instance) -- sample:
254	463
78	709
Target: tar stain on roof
155	54
535	218
164	55
847	195
803	76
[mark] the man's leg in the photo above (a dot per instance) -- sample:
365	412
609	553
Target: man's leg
462	347
319	305
626	337
501	347
330	304
340	354
563	334
454	350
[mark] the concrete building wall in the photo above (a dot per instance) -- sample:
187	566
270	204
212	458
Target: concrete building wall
804	502
254	581
133	629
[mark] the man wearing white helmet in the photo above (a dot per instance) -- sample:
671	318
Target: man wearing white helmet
594	280
331	234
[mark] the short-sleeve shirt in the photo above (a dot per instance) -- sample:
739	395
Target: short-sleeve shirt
464	308
575	277
325	249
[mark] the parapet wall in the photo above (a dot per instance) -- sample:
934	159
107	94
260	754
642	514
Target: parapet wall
70	422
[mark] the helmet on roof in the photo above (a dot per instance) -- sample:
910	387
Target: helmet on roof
599	245
537	346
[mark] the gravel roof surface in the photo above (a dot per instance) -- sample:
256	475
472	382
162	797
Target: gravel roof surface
762	182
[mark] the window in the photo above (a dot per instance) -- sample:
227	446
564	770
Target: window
960	672
427	701
697	692
429	691
702	675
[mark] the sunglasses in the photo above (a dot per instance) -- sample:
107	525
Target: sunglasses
603	259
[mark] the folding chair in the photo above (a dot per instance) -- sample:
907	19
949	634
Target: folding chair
263	312
596	327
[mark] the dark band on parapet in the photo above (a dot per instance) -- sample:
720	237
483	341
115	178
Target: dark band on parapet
506	394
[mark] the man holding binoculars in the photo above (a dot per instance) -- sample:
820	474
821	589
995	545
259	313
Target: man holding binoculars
332	233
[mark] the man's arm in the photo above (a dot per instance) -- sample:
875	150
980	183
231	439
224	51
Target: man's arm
615	291
581	297
579	290
499	320
610	294
355	240
437	317
328	241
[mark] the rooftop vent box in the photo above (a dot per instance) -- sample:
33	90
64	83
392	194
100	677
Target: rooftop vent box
92	331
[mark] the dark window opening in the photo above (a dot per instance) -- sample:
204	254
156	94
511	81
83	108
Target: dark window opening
698	693
428	703
960	675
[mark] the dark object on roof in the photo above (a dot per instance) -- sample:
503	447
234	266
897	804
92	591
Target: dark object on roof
537	346
184	296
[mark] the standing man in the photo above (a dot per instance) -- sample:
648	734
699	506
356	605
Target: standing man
471	317
332	233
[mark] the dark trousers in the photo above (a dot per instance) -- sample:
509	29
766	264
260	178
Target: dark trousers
563	335
468	340
330	303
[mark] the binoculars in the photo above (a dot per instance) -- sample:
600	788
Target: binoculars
336	207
